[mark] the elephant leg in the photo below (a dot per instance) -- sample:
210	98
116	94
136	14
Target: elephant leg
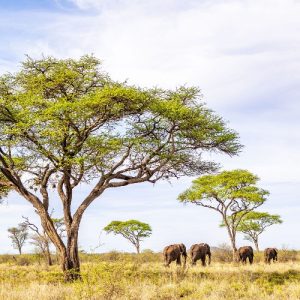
250	260
203	261
193	263
209	258
167	261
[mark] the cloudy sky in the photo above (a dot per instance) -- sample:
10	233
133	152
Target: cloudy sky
244	55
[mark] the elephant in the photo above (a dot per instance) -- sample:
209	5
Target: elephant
270	254
244	253
200	251
174	252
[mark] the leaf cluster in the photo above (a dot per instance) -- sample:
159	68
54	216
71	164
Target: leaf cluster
236	188
257	222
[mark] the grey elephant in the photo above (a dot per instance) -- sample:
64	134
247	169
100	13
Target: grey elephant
174	252
244	253
270	254
200	251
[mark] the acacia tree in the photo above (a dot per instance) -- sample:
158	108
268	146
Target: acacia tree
233	194
18	235
255	223
65	122
132	230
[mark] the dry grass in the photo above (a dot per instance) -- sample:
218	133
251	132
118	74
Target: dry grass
125	276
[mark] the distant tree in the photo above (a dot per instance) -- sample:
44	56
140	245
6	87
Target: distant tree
233	194
132	230
65	122
255	223
18	235
40	239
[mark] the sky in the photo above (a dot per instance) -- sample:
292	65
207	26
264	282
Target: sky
245	57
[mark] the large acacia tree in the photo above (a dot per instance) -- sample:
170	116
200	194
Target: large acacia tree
65	122
233	194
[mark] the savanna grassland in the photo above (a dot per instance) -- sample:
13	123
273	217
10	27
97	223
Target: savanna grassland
128	276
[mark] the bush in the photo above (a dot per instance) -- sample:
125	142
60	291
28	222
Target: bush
222	253
285	255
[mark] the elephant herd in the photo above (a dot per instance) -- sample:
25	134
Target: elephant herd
202	251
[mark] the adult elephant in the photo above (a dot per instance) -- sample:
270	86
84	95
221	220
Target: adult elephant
270	254
244	253
200	251
174	252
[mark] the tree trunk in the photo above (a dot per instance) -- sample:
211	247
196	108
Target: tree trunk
138	247
232	240
70	266
234	249
70	258
48	255
256	244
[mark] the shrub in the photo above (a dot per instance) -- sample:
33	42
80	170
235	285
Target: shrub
222	253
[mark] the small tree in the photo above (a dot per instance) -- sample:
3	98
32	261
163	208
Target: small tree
40	239
233	194
134	231
18	236
255	223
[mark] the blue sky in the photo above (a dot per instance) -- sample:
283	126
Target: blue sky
244	55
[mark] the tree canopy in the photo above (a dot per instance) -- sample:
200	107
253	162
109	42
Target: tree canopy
233	194
132	230
255	223
64	122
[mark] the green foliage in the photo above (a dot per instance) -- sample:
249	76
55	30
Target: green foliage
236	185
131	226
132	230
255	223
4	187
234	190
69	113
